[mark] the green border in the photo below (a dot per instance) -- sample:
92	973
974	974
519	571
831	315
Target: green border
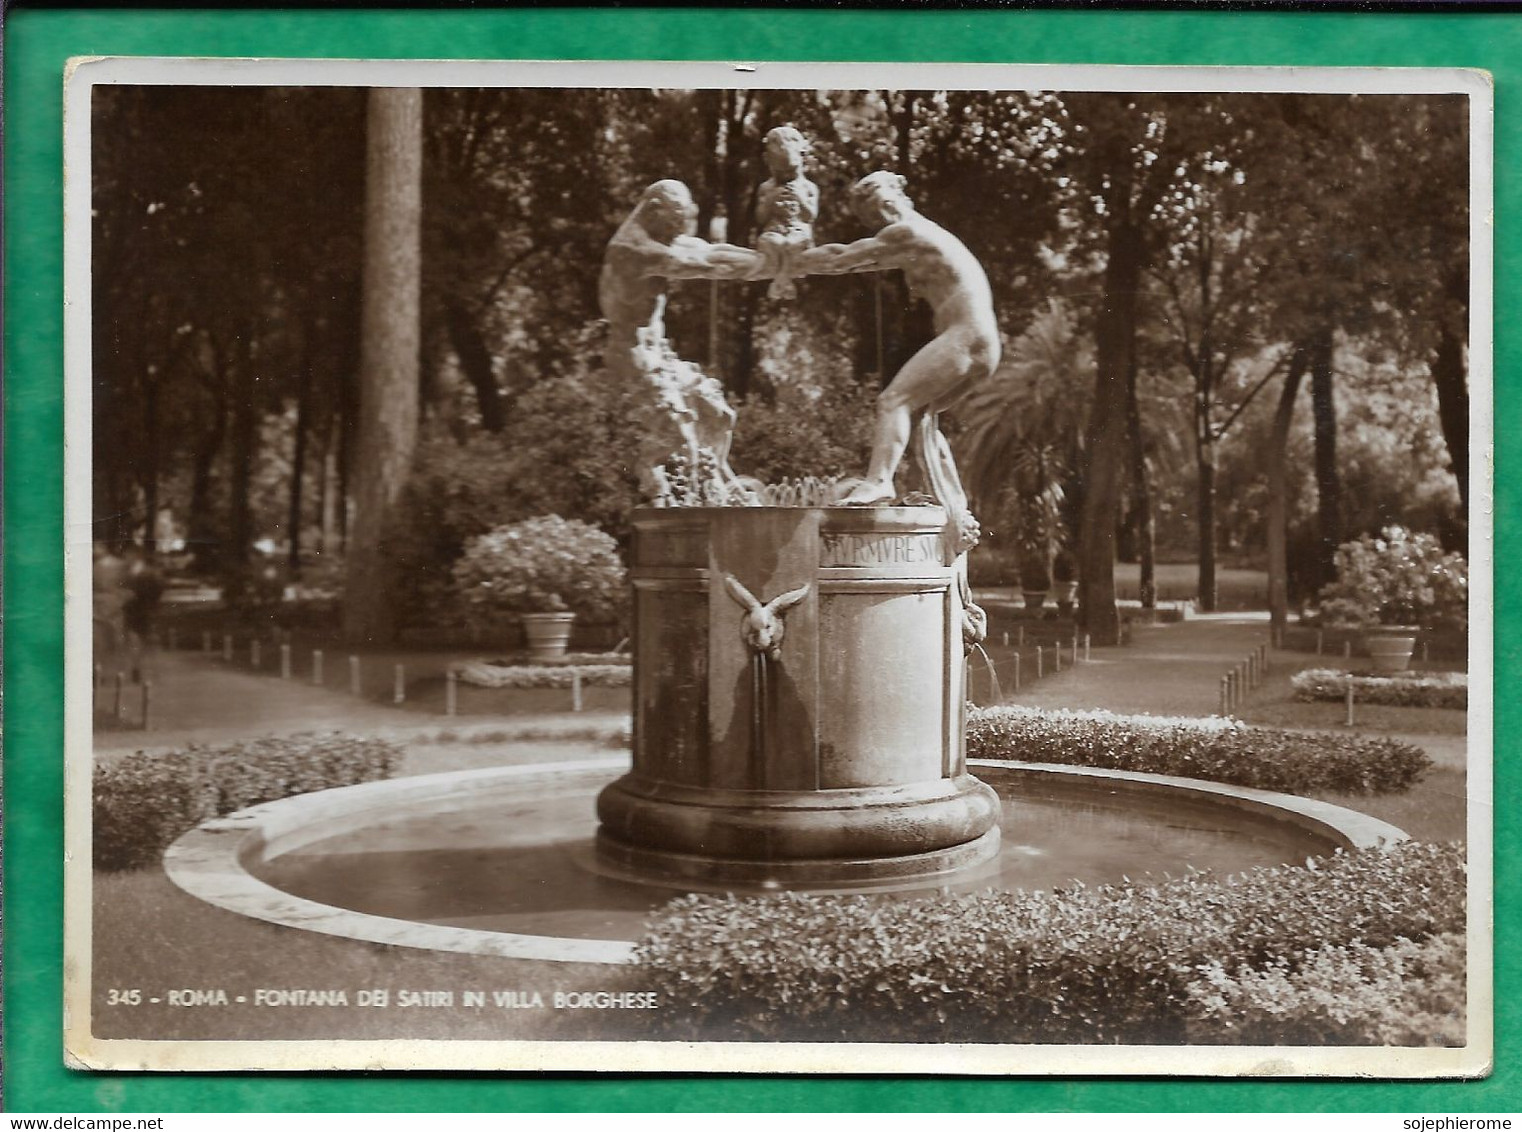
38	41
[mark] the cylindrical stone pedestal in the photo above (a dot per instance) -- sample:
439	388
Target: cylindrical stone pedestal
811	740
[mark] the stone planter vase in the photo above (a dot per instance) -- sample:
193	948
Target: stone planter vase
1066	592
1034	599
547	634
1390	647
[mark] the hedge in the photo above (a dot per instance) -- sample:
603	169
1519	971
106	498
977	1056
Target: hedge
1141	963
1407	994
481	674
1220	750
143	801
1416	689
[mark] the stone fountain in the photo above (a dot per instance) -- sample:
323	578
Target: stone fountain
799	671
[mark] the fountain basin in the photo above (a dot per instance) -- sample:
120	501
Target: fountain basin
502	861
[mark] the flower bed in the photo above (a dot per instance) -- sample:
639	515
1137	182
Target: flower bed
142	802
1415	689
1192	958
484	674
1219	750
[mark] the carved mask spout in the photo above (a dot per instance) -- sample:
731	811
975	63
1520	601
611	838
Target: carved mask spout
762	628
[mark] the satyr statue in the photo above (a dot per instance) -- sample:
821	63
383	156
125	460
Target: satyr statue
786	207
938	268
685	410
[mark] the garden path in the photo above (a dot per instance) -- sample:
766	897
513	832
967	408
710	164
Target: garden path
196	700
1176	669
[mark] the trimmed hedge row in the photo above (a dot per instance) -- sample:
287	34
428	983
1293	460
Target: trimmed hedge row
142	802
482	675
1220	750
1407	994
1416	689
1143	963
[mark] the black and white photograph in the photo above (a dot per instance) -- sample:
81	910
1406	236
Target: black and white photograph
813	568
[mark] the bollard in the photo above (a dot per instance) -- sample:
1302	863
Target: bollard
285	662
317	667
1056	656
117	709
1085	647
1225	698
576	691
1020	635
1350	703
147	703
1006	638
1320	638
253	652
1241	683
451	692
1040	663
1347	650
1017	671
227	646
399	686
206	642
354	685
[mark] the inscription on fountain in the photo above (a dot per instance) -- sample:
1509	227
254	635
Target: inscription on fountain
841	549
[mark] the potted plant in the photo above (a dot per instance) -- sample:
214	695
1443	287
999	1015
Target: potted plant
1392	585
546	570
1036	511
1065	576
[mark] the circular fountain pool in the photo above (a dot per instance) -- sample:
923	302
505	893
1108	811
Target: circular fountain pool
501	861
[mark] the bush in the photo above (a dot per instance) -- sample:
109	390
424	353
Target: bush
543	565
1119	963
1219	750
1416	689
1408	994
1399	578
142	802
483	675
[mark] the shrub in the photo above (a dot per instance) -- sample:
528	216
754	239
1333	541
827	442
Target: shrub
142	802
1416	689
1106	964
1407	994
543	565
483	675
1219	750
1398	578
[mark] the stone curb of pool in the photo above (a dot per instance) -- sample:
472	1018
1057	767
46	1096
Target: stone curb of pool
208	861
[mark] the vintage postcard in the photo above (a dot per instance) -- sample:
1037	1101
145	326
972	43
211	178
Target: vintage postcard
778	568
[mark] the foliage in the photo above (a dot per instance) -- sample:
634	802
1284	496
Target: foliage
485	675
543	565
1407	994
1218	750
1399	577
145	800
1115	963
1412	689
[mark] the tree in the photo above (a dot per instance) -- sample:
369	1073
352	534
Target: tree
389	358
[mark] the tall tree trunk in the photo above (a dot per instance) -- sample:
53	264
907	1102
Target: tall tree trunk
299	452
1328	480
1450	375
1205	464
475	363
152	447
388	410
245	437
1278	499
1141	494
1106	435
